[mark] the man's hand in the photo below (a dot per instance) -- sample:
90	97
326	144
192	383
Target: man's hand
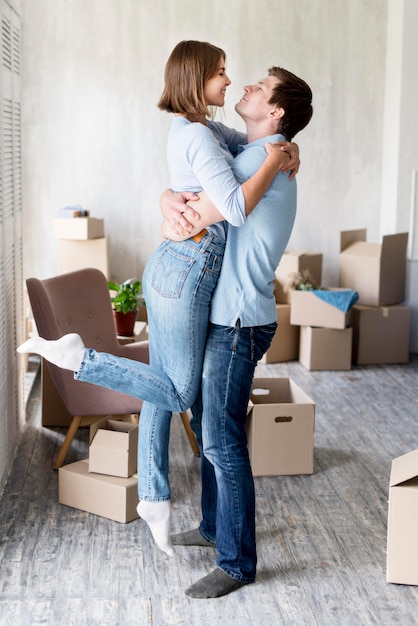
292	150
177	213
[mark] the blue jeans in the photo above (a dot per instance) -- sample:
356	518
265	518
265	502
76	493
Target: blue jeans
178	281
228	500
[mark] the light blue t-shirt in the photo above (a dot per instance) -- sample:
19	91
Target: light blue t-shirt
199	158
245	289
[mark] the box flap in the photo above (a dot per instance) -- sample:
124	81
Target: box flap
395	245
348	237
121	426
404	468
277	391
95	427
115	424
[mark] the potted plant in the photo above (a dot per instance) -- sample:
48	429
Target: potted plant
125	300
302	281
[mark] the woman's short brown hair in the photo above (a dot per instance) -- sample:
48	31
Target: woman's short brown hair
190	65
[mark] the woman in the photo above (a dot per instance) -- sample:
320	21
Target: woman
180	277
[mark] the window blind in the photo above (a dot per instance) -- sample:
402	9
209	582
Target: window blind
11	264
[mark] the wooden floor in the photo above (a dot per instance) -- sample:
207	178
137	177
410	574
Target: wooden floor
321	538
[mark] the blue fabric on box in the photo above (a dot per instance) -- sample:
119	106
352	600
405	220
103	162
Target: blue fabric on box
342	299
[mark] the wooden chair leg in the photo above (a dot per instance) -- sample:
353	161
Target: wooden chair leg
190	434
72	430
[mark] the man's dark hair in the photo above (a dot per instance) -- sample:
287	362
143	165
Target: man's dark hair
295	97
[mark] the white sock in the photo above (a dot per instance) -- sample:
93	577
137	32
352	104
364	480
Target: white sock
66	352
158	517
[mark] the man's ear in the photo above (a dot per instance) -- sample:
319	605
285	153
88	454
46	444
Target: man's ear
277	113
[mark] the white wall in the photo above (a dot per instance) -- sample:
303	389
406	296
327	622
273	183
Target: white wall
93	72
399	184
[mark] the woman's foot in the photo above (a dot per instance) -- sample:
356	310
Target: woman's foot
158	517
66	352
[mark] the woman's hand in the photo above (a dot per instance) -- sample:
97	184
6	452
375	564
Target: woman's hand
292	149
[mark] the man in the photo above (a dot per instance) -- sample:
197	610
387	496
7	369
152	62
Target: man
243	322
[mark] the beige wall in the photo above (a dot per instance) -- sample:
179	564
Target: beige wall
92	135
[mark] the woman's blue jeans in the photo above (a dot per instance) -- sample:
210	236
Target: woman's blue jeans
178	281
228	501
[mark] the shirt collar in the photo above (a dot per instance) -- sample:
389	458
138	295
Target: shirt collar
260	142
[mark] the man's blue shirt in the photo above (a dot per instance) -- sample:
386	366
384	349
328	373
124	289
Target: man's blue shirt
245	289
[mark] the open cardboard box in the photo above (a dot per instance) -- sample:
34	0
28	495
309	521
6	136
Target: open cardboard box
294	262
307	309
377	271
280	428
402	533
325	348
108	496
381	335
113	447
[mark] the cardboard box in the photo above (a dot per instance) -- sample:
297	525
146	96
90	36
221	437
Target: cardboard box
78	228
381	334
325	348
280	428
307	309
376	271
285	343
294	262
113	447
108	496
76	255
402	535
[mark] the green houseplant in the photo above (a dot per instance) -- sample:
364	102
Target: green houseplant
302	281
126	299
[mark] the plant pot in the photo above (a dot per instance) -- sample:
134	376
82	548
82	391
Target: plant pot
124	323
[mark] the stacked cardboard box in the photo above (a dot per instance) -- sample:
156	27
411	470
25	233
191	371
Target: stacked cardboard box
381	324
280	428
325	336
82	243
285	344
317	348
106	483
